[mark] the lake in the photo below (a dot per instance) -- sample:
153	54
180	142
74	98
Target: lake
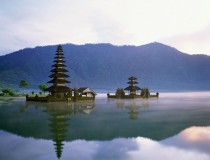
174	126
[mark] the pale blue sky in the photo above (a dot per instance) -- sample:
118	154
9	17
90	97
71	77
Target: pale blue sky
183	24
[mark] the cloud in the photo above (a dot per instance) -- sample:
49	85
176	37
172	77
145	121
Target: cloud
177	147
194	138
28	24
195	43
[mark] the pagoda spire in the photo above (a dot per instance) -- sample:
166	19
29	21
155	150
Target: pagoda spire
58	89
132	87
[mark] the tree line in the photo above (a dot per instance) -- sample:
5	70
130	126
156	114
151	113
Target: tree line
23	84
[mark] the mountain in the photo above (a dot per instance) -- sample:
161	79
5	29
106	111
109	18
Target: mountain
105	66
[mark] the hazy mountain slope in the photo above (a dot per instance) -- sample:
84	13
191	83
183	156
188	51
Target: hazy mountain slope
106	66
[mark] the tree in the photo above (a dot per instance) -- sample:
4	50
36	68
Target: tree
70	93
120	93
42	87
76	94
23	84
8	91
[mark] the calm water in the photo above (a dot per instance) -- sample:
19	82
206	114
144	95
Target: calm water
175	126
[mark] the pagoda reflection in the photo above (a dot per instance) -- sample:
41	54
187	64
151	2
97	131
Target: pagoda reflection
133	110
120	104
60	117
133	106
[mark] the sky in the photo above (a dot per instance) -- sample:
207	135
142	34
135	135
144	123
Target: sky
183	24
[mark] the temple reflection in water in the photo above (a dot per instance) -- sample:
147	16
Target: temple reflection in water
133	106
60	118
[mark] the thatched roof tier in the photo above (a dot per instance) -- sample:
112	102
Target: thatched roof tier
59	56
59	53
132	82
60	81
61	75
59	61
132	78
59	65
59	70
59	48
85	90
132	88
58	89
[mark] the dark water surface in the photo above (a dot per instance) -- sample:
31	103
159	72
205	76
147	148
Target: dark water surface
174	126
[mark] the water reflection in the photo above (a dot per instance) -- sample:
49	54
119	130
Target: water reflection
103	120
58	125
23	108
32	117
120	104
133	106
83	107
133	110
5	101
173	148
60	118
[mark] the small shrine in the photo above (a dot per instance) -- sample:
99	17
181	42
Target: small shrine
86	92
133	91
132	88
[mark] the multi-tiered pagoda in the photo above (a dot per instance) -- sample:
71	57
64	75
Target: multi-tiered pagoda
58	89
132	88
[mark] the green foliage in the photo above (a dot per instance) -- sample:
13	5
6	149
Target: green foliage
23	84
32	92
120	93
8	91
42	87
76	94
145	93
69	93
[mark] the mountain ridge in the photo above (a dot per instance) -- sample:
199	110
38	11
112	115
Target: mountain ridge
108	44
107	66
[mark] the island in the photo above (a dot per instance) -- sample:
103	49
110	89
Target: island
133	91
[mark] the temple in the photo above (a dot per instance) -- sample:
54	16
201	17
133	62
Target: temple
133	91
132	88
59	91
